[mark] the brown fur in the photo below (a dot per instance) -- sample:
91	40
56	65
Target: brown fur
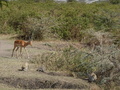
21	44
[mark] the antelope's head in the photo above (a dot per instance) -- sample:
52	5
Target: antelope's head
30	43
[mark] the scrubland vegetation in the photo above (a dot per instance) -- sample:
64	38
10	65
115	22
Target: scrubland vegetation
68	21
96	26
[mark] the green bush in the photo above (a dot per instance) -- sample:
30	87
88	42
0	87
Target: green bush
3	2
114	1
71	0
67	21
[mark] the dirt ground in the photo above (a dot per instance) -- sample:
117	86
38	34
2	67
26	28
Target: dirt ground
13	79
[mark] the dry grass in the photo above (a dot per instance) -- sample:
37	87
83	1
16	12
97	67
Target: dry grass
10	74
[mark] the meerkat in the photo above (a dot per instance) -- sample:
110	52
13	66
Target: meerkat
24	67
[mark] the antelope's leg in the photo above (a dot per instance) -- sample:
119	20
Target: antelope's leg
17	52
21	51
13	51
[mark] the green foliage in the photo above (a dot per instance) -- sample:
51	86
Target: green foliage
114	1
72	25
71	0
68	21
43	0
3	2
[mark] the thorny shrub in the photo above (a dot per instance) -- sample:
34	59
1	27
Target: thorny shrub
103	60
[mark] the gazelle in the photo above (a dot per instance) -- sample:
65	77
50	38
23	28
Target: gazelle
21	44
